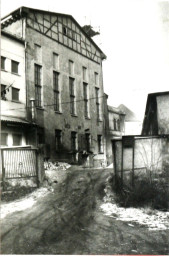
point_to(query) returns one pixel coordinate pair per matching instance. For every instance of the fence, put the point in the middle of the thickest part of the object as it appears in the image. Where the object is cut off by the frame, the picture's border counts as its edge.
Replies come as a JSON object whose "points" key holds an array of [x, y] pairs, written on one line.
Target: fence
{"points": [[17, 163], [136, 158]]}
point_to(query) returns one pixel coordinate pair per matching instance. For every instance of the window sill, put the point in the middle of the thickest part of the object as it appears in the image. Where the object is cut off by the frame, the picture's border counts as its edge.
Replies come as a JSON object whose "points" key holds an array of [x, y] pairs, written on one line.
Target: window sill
{"points": [[58, 112], [15, 74], [99, 120], [74, 115], [88, 118], [100, 153], [40, 108], [16, 101]]}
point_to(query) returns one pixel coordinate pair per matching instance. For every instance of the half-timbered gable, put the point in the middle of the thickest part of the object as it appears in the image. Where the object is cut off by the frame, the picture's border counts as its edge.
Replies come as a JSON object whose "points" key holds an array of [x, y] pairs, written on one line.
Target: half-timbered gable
{"points": [[59, 27]]}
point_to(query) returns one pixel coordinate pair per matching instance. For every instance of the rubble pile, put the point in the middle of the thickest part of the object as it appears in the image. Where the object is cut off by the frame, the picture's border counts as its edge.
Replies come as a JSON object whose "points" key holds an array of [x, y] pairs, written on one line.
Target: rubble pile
{"points": [[54, 172]]}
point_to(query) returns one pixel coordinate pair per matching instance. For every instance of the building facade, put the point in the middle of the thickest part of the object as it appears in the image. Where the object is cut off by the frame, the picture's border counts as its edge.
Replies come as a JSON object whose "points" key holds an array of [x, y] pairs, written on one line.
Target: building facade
{"points": [[14, 123], [64, 85], [115, 125]]}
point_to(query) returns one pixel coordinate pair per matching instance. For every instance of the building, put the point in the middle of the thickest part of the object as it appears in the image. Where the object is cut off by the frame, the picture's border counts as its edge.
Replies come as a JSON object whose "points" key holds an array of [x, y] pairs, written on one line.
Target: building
{"points": [[64, 84], [156, 119], [14, 124], [115, 125], [133, 125]]}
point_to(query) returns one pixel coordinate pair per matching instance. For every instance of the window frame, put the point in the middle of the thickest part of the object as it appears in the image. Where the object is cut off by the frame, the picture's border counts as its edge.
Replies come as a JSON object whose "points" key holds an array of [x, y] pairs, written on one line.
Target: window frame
{"points": [[58, 139], [72, 95], [19, 135], [97, 103], [6, 139], [3, 60], [15, 90], [12, 67], [88, 141], [100, 143], [38, 85], [56, 91], [74, 141]]}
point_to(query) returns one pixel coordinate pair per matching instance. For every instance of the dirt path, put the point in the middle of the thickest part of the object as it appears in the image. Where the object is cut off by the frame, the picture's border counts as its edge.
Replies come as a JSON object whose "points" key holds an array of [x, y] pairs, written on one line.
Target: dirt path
{"points": [[70, 221]]}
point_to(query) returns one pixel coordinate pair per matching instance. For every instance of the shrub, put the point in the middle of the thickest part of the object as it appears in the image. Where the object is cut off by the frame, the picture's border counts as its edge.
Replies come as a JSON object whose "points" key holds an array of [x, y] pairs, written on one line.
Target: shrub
{"points": [[145, 193]]}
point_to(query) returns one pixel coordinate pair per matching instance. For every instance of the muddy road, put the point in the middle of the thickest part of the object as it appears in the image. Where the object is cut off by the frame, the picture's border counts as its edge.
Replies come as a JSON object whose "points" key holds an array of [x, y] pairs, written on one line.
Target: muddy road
{"points": [[69, 221]]}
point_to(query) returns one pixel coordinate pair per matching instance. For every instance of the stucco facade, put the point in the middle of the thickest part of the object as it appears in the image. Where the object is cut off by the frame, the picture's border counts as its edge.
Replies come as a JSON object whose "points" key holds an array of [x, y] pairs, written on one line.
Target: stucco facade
{"points": [[115, 124], [13, 90], [79, 61]]}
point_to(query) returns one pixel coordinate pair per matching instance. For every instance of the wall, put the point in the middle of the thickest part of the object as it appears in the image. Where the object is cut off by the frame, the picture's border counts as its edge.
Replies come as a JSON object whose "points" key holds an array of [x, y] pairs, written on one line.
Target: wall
{"points": [[111, 133], [163, 114], [13, 50], [150, 157], [47, 117]]}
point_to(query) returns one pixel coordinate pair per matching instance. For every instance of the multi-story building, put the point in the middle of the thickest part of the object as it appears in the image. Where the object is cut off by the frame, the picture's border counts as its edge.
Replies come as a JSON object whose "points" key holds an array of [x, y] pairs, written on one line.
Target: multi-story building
{"points": [[63, 84], [13, 91], [114, 128]]}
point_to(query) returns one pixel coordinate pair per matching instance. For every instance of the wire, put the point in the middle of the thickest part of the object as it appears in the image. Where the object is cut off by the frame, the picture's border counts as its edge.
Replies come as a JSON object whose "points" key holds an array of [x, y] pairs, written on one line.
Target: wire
{"points": [[50, 105]]}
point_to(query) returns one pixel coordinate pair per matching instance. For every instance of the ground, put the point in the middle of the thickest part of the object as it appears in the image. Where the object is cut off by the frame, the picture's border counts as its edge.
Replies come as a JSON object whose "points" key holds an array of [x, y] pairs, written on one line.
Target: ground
{"points": [[76, 216]]}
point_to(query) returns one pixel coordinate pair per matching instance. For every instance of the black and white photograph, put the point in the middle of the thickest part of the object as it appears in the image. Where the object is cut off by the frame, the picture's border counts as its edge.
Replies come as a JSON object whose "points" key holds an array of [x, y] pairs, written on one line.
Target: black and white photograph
{"points": [[84, 127]]}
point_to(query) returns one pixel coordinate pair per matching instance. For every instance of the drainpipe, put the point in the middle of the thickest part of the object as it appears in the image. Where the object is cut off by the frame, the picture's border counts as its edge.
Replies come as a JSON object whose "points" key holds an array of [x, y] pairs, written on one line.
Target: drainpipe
{"points": [[33, 115]]}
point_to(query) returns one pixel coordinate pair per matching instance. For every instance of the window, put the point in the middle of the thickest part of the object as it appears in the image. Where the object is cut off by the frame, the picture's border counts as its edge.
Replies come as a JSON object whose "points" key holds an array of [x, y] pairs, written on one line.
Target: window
{"points": [[15, 94], [115, 127], [85, 99], [72, 96], [87, 139], [4, 137], [96, 78], [3, 59], [74, 141], [97, 103], [56, 90], [100, 143], [14, 66], [118, 125], [17, 139], [38, 53], [58, 139], [84, 73], [55, 61], [3, 92], [71, 67], [65, 31], [38, 86]]}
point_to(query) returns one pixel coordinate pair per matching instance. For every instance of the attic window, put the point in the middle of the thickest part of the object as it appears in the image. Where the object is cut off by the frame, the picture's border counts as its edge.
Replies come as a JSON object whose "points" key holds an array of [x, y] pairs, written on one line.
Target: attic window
{"points": [[64, 30]]}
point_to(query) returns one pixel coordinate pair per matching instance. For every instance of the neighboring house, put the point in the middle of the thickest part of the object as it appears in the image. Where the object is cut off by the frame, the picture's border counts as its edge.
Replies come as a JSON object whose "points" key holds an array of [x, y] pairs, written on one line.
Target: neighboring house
{"points": [[156, 119], [64, 84], [132, 124], [114, 122], [14, 124]]}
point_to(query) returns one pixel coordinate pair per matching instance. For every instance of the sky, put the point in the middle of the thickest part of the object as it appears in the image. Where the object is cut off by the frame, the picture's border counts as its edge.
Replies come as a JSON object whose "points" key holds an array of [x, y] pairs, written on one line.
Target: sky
{"points": [[134, 35]]}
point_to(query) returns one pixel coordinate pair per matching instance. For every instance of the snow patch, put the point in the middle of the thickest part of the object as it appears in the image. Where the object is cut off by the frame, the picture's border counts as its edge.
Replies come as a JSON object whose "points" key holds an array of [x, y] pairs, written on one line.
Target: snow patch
{"points": [[156, 221], [22, 204]]}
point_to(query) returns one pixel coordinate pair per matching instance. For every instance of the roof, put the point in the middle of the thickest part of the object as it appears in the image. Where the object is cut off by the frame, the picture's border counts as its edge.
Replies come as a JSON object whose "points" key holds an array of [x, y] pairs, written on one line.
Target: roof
{"points": [[12, 119], [23, 10], [115, 110], [12, 36], [130, 115]]}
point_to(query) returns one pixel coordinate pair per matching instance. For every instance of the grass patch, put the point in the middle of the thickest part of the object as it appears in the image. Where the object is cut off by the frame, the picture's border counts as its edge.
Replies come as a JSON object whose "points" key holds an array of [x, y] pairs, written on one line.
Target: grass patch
{"points": [[153, 194], [17, 192]]}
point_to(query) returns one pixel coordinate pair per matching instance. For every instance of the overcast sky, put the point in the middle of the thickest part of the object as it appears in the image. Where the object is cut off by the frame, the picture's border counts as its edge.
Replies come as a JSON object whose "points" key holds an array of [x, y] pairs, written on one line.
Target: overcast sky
{"points": [[134, 35]]}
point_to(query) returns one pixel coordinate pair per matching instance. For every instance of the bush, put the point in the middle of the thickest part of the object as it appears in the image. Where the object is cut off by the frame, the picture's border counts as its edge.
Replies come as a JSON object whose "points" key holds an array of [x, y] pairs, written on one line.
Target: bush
{"points": [[145, 193]]}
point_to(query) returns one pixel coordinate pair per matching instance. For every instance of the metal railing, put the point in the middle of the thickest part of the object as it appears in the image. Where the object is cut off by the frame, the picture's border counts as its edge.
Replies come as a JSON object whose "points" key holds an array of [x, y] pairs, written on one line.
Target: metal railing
{"points": [[18, 163]]}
